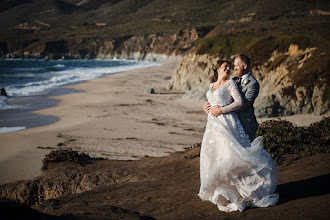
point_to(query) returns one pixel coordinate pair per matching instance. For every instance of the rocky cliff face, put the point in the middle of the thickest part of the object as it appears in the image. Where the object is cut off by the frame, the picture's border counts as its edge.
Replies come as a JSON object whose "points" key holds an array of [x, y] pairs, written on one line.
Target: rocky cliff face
{"points": [[290, 83], [150, 47], [65, 179], [153, 47], [192, 75], [289, 86]]}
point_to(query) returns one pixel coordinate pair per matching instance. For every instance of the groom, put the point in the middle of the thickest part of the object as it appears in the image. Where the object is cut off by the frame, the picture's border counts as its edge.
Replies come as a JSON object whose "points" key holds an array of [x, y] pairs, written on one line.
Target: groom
{"points": [[249, 89]]}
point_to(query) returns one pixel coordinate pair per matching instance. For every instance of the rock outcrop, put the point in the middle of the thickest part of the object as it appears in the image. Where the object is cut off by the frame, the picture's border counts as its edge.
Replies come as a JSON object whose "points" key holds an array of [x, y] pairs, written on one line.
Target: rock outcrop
{"points": [[152, 47], [3, 92], [155, 188], [290, 83], [192, 75], [65, 179]]}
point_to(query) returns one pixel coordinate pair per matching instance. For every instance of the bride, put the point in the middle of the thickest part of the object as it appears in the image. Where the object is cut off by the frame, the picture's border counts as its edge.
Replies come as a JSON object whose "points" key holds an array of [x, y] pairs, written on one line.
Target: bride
{"points": [[234, 172]]}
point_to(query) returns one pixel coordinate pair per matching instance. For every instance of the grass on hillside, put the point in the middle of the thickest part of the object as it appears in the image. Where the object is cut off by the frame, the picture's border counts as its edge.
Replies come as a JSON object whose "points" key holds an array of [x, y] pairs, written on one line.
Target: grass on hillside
{"points": [[131, 17], [259, 48]]}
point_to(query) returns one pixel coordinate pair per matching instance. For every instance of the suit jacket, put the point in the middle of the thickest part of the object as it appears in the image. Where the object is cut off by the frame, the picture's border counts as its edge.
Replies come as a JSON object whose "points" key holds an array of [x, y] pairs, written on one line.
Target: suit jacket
{"points": [[249, 91]]}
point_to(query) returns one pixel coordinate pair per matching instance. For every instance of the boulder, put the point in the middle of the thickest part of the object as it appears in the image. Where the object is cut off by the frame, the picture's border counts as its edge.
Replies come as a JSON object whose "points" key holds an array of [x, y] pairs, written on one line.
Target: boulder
{"points": [[3, 92]]}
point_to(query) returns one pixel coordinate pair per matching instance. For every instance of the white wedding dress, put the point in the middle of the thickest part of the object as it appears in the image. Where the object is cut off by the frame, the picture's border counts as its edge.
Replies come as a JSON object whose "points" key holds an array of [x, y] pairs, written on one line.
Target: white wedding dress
{"points": [[234, 172]]}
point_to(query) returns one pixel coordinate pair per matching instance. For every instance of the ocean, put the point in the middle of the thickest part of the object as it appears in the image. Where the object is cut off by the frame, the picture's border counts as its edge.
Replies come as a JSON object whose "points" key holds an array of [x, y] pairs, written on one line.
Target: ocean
{"points": [[29, 83]]}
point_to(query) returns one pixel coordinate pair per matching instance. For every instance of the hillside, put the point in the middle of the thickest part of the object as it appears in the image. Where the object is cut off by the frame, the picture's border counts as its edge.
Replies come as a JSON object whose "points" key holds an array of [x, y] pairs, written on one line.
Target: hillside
{"points": [[149, 29], [27, 25]]}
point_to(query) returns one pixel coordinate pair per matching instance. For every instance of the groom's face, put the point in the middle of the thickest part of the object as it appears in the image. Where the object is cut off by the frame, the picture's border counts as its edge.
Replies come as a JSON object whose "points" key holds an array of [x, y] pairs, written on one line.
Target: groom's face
{"points": [[238, 67]]}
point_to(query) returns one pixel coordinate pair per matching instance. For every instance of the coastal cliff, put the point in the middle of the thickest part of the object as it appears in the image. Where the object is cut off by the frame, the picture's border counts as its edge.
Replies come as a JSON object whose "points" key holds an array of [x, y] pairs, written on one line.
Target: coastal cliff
{"points": [[151, 47], [192, 75], [291, 82]]}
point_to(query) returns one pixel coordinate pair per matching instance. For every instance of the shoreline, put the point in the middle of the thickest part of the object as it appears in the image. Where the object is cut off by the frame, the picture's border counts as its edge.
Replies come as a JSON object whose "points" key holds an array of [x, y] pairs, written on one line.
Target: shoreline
{"points": [[111, 117], [21, 115], [19, 112]]}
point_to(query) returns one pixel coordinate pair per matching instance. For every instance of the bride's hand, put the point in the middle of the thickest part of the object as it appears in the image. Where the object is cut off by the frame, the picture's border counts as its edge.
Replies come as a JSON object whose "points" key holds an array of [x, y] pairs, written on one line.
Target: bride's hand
{"points": [[215, 110], [206, 107]]}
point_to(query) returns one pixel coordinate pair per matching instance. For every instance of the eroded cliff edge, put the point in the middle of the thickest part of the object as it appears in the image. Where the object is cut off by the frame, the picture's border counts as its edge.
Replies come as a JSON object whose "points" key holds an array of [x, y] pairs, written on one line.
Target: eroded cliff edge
{"points": [[154, 188], [148, 47]]}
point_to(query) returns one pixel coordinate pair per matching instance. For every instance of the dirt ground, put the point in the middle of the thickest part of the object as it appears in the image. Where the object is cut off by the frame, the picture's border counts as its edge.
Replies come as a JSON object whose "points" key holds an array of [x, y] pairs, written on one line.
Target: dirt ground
{"points": [[166, 188]]}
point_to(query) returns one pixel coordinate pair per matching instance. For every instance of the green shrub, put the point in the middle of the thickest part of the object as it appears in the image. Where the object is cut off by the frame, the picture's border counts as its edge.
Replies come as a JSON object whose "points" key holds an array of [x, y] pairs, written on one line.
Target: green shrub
{"points": [[319, 134], [260, 48], [64, 155], [223, 46], [282, 139]]}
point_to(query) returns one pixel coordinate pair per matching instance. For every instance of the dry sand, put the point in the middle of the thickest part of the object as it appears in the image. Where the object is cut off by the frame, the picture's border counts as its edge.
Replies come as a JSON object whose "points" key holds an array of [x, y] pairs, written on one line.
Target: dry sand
{"points": [[113, 117]]}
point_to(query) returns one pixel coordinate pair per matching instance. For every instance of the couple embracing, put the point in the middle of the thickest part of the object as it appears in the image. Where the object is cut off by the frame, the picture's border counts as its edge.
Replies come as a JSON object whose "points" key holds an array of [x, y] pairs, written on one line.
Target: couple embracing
{"points": [[235, 170]]}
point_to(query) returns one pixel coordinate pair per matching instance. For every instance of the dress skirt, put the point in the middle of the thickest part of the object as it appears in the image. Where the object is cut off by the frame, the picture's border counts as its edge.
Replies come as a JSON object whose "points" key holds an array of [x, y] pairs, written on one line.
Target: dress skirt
{"points": [[234, 172]]}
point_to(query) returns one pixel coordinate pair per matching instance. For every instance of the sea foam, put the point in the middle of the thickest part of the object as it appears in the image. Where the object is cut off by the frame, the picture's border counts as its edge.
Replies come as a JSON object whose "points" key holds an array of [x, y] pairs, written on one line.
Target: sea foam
{"points": [[10, 129], [4, 104], [58, 77]]}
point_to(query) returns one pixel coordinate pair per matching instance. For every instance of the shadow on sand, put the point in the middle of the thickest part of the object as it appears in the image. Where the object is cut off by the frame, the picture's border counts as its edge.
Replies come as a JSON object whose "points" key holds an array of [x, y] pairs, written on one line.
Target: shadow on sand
{"points": [[315, 186]]}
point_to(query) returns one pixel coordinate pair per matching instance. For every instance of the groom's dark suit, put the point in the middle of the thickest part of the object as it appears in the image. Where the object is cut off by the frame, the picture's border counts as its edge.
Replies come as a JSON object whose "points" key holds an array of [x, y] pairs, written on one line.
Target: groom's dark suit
{"points": [[249, 90]]}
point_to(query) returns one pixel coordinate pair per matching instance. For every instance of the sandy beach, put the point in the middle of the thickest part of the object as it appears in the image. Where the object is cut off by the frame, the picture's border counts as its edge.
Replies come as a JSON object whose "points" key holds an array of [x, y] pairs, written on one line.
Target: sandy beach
{"points": [[113, 117]]}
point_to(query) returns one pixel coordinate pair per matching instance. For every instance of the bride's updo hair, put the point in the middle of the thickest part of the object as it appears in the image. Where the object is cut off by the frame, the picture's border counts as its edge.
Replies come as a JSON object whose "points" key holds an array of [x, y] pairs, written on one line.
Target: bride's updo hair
{"points": [[215, 68]]}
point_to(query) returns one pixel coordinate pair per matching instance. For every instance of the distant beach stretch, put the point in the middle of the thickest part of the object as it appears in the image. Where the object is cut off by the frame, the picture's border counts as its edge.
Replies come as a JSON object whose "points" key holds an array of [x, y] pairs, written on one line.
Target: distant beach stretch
{"points": [[27, 84]]}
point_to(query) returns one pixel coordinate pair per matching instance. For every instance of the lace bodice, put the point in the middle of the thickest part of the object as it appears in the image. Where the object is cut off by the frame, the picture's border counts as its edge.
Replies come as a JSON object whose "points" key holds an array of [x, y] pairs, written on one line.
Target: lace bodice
{"points": [[226, 96]]}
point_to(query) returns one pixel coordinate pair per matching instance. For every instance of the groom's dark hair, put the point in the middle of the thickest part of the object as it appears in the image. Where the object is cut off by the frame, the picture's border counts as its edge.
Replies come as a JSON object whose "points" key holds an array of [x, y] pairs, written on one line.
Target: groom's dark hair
{"points": [[246, 60]]}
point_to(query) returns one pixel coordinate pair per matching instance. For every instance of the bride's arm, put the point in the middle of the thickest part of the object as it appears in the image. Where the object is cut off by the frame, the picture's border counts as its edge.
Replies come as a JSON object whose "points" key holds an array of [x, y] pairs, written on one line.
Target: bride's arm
{"points": [[238, 101]]}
